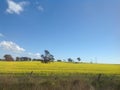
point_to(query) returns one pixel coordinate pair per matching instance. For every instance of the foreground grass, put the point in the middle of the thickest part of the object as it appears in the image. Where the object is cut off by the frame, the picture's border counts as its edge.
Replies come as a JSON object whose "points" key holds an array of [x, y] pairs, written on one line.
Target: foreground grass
{"points": [[57, 68], [81, 82]]}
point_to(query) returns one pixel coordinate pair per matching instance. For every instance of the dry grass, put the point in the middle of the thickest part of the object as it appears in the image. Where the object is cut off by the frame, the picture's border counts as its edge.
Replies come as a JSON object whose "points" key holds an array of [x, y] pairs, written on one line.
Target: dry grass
{"points": [[81, 82]]}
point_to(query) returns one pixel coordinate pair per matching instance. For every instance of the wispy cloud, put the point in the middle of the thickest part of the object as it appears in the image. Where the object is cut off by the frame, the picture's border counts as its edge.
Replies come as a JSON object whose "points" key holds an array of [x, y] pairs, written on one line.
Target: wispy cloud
{"points": [[40, 8], [11, 46], [14, 7], [35, 55], [1, 35]]}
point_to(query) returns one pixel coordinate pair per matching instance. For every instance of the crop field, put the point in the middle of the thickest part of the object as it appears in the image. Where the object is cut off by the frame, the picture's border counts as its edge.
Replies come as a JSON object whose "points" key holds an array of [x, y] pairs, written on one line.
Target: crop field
{"points": [[57, 68], [58, 76]]}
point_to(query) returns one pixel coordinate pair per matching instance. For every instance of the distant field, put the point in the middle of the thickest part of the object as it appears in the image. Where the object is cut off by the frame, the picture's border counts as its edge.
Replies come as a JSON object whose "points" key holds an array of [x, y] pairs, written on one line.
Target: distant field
{"points": [[57, 68]]}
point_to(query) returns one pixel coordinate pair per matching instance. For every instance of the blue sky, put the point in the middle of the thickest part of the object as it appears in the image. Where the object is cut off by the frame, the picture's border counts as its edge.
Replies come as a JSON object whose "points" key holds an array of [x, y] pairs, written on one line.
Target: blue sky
{"points": [[89, 29]]}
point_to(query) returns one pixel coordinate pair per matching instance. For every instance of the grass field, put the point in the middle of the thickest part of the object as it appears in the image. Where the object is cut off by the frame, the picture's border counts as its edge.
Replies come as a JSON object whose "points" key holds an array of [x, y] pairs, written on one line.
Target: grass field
{"points": [[58, 68], [58, 76]]}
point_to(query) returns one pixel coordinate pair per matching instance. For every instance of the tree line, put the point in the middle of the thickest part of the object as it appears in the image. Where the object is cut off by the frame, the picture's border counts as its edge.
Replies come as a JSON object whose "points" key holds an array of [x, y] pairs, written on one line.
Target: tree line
{"points": [[45, 58]]}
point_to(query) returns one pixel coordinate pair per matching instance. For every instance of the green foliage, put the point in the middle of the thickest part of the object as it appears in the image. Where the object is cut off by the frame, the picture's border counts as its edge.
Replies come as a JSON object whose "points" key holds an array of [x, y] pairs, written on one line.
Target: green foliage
{"points": [[70, 60], [48, 57]]}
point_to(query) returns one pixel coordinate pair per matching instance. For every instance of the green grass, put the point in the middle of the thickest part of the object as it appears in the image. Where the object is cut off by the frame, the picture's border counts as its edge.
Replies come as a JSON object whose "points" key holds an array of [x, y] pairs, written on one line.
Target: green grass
{"points": [[57, 68]]}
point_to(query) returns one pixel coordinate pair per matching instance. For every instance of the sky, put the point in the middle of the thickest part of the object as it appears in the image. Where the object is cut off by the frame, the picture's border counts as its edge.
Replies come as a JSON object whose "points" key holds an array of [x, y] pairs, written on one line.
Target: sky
{"points": [[89, 29]]}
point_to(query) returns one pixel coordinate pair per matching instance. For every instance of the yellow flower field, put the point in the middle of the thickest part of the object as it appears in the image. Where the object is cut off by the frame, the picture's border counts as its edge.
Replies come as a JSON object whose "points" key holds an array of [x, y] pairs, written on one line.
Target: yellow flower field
{"points": [[58, 68]]}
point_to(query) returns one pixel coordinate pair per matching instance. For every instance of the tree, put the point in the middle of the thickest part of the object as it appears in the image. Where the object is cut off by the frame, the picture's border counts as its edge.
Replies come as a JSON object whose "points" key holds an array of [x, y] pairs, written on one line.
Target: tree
{"points": [[59, 60], [47, 53], [23, 59], [47, 57], [79, 59], [70, 60], [17, 58], [8, 57]]}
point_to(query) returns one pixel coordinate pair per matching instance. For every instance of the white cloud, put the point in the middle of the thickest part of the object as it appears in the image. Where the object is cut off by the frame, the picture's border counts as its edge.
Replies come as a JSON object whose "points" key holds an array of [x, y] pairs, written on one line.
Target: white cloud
{"points": [[1, 35], [14, 7], [40, 8], [11, 46], [35, 55]]}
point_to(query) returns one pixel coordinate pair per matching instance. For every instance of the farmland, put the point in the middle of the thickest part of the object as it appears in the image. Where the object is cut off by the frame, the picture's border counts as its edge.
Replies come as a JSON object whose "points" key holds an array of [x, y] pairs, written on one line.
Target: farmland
{"points": [[58, 76], [58, 68]]}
